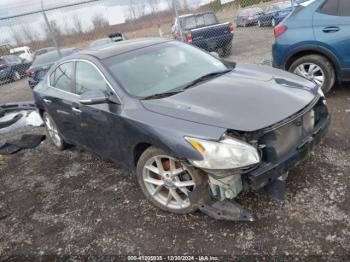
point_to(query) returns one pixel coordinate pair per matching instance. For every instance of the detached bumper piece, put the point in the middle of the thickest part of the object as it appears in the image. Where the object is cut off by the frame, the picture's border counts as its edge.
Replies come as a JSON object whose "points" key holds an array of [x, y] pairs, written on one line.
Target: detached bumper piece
{"points": [[226, 210], [218, 209]]}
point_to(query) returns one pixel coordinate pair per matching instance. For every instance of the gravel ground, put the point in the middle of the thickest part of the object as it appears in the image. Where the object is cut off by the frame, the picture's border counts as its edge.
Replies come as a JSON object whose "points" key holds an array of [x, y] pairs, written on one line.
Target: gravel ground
{"points": [[73, 203]]}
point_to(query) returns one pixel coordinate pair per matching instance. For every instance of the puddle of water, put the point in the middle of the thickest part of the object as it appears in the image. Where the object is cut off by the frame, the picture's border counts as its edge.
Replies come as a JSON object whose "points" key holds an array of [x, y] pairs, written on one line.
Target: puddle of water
{"points": [[29, 118]]}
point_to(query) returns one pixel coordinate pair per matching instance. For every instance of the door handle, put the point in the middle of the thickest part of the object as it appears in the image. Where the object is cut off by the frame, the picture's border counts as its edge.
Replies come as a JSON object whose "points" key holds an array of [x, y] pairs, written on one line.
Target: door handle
{"points": [[331, 29], [76, 110], [47, 101]]}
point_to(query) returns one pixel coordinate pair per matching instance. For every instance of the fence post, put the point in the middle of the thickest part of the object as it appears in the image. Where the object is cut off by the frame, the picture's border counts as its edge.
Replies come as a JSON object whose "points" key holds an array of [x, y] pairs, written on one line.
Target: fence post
{"points": [[50, 30]]}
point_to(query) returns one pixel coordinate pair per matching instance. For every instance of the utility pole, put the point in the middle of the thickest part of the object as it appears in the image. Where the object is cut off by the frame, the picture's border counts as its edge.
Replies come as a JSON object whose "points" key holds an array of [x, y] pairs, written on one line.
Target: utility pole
{"points": [[175, 5], [50, 30]]}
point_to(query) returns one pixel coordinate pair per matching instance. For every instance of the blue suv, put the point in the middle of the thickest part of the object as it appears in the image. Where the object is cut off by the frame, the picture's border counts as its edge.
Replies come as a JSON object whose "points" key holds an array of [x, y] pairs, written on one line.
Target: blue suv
{"points": [[314, 42]]}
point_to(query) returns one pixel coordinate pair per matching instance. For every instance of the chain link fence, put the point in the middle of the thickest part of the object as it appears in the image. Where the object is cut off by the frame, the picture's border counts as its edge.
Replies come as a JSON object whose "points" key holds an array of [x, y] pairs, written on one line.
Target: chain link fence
{"points": [[238, 30]]}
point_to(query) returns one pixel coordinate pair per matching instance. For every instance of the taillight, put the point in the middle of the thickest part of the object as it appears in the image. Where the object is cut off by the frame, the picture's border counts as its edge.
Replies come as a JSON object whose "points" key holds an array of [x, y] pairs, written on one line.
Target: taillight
{"points": [[29, 72], [189, 37], [232, 28], [279, 30]]}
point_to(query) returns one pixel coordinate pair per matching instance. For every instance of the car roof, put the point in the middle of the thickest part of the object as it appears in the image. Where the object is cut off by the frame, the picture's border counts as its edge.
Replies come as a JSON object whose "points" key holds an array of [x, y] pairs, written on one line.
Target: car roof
{"points": [[117, 48]]}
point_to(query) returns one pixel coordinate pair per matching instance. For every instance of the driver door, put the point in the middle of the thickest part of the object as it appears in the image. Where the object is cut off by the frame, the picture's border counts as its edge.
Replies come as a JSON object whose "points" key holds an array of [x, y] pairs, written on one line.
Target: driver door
{"points": [[100, 124]]}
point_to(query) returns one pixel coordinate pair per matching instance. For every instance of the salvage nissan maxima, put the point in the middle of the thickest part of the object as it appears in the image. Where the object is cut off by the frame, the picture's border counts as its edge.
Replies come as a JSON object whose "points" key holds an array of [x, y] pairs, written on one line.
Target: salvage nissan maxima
{"points": [[196, 130]]}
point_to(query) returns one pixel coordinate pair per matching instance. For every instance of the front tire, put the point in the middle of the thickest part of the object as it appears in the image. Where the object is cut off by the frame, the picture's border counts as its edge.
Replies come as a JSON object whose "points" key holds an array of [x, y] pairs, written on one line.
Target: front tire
{"points": [[53, 132], [316, 68], [166, 181]]}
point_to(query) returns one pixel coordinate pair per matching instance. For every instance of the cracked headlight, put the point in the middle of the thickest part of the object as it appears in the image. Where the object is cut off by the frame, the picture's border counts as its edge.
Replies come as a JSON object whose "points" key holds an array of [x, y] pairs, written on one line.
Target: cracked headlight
{"points": [[228, 153]]}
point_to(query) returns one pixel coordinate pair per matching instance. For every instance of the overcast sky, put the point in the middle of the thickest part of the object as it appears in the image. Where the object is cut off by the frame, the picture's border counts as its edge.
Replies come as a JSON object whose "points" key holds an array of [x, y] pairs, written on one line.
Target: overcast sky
{"points": [[115, 11]]}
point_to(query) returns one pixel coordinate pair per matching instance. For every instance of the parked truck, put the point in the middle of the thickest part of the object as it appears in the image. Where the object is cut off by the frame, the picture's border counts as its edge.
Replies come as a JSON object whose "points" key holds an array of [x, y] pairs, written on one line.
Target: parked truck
{"points": [[205, 31]]}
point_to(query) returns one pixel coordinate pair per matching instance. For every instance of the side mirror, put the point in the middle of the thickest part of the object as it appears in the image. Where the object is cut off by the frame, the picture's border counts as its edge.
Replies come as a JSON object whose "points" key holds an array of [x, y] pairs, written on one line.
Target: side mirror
{"points": [[215, 54], [93, 98]]}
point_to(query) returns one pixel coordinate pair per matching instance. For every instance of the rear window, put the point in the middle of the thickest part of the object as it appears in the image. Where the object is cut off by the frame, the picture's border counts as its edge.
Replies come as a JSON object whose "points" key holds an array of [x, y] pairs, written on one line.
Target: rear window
{"points": [[251, 11], [284, 5], [51, 57], [47, 58], [195, 21], [330, 7]]}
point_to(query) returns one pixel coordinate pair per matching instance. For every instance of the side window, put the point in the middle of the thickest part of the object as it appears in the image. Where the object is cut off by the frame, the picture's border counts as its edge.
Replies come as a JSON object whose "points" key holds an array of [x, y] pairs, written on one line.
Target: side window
{"points": [[62, 77], [344, 7], [330, 7], [87, 78]]}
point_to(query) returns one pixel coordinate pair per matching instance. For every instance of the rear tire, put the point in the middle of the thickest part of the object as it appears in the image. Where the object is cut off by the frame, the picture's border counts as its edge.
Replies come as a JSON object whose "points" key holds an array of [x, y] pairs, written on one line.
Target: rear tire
{"points": [[323, 63], [53, 133]]}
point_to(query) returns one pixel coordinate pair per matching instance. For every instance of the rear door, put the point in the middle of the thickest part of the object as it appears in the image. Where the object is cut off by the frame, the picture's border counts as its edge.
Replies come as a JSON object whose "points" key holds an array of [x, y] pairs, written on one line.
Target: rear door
{"points": [[59, 102], [331, 25]]}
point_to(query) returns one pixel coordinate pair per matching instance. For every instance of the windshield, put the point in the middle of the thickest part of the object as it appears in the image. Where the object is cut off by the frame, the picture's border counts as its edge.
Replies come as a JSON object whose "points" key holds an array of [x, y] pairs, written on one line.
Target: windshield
{"points": [[161, 68], [195, 21], [283, 5], [251, 11]]}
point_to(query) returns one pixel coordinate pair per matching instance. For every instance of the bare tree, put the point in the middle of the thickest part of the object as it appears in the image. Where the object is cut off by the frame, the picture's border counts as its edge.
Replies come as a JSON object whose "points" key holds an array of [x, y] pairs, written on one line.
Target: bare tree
{"points": [[56, 30], [28, 33], [170, 4], [77, 25], [17, 36], [154, 6], [99, 22]]}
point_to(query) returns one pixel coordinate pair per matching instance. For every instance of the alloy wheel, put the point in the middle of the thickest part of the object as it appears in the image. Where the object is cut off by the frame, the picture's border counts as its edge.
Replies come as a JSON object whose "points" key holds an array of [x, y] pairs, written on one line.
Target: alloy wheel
{"points": [[52, 130], [168, 182], [312, 72]]}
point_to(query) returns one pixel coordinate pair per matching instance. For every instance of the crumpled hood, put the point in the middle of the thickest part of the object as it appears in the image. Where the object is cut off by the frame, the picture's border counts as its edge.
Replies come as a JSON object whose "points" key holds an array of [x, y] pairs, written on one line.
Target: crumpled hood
{"points": [[249, 98]]}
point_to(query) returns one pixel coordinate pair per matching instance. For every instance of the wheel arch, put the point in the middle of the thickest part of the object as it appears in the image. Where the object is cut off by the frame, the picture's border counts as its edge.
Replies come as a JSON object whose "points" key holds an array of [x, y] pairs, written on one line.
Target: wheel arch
{"points": [[313, 50], [138, 151], [41, 112]]}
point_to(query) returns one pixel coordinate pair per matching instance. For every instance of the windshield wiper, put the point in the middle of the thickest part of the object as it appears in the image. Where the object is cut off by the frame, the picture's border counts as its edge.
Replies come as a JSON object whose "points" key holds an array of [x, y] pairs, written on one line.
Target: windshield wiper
{"points": [[205, 77], [162, 95]]}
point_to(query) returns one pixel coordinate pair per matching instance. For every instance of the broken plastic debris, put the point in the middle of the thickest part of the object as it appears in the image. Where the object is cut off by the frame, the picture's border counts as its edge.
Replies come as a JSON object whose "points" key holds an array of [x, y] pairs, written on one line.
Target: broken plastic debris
{"points": [[28, 118]]}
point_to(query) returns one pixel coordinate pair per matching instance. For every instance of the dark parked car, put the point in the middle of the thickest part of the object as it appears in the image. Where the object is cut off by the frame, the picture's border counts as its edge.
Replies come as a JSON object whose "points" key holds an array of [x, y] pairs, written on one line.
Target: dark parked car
{"points": [[43, 51], [248, 16], [191, 126], [275, 13], [43, 63], [314, 42], [112, 38], [205, 31], [12, 67]]}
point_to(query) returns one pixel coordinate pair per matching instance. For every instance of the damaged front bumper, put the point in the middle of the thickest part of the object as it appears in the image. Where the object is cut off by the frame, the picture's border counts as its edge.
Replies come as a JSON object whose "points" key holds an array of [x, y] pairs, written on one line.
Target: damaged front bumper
{"points": [[270, 172]]}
